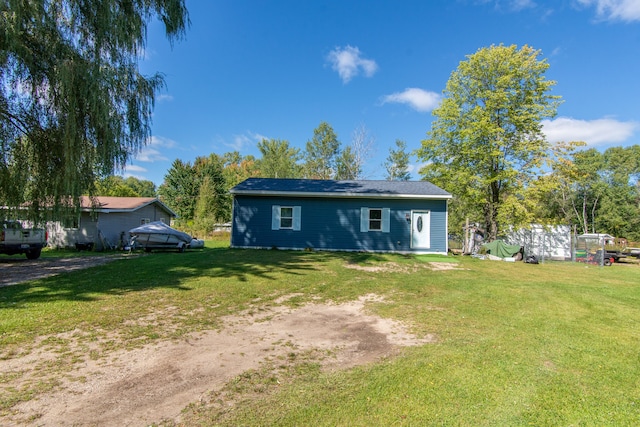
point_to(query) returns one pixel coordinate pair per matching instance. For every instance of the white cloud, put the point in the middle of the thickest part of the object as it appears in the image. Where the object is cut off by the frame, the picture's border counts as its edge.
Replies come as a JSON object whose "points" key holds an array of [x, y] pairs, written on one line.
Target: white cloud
{"points": [[243, 141], [615, 10], [164, 97], [239, 142], [135, 168], [418, 99], [518, 5], [149, 154], [152, 151], [133, 171], [348, 62], [159, 141], [593, 132], [509, 5], [258, 137]]}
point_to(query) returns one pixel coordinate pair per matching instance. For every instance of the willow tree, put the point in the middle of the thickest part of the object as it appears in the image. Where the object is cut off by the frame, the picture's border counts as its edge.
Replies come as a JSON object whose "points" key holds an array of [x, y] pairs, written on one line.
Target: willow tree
{"points": [[486, 141], [73, 104]]}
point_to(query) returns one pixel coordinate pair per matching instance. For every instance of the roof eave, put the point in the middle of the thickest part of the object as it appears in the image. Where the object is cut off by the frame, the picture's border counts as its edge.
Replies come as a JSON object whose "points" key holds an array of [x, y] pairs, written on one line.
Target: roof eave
{"points": [[350, 195], [133, 209]]}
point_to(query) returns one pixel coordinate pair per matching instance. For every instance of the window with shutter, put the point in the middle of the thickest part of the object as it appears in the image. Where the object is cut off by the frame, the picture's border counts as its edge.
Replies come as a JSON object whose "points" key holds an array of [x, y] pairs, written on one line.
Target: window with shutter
{"points": [[286, 217], [375, 219]]}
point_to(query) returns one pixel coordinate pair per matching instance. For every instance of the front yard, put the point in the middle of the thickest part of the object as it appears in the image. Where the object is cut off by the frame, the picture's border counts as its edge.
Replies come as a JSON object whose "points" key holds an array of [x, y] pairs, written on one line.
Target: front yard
{"points": [[313, 338]]}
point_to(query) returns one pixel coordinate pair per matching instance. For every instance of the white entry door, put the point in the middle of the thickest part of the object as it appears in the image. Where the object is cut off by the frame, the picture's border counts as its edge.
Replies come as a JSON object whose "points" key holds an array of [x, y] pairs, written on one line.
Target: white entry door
{"points": [[420, 229]]}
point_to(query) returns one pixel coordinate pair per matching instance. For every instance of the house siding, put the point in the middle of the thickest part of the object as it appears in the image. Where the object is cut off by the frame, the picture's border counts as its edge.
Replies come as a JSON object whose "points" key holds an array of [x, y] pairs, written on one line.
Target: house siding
{"points": [[335, 224], [107, 230], [60, 237], [115, 226]]}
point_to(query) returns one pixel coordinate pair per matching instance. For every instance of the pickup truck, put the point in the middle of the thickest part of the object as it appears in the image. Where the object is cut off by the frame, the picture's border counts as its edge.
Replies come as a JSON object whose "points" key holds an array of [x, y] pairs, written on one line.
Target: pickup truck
{"points": [[14, 239]]}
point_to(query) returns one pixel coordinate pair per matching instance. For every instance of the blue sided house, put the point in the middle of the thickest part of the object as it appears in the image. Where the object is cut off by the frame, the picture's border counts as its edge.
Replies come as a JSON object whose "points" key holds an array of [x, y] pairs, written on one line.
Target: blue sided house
{"points": [[375, 216]]}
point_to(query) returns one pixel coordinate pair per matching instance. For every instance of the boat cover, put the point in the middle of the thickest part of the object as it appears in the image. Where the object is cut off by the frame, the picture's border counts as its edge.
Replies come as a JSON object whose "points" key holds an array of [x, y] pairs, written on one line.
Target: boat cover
{"points": [[159, 227]]}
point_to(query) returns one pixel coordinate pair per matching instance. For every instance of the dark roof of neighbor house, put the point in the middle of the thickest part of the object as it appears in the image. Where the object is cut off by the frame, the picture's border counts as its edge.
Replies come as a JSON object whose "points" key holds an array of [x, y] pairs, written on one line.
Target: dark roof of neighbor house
{"points": [[120, 204], [330, 188]]}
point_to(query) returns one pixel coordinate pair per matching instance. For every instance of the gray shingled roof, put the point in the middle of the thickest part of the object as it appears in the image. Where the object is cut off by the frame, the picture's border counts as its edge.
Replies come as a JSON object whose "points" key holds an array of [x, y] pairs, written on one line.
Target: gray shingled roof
{"points": [[330, 188]]}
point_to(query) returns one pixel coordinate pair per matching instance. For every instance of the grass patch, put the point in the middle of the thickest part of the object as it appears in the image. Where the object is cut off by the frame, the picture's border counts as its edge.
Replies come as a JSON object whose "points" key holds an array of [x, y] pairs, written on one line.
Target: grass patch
{"points": [[517, 344]]}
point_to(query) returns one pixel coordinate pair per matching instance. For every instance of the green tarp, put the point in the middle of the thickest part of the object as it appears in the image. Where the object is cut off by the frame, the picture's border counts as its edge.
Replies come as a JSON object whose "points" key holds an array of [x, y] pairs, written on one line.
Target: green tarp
{"points": [[501, 249]]}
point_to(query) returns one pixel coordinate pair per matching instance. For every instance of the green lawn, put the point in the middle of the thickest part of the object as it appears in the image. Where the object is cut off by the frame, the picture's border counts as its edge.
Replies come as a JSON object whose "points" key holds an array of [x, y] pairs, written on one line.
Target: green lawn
{"points": [[556, 344]]}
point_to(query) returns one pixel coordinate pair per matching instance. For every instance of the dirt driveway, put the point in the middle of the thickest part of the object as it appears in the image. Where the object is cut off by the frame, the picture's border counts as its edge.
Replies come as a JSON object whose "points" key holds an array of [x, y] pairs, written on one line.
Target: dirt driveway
{"points": [[17, 269], [155, 383]]}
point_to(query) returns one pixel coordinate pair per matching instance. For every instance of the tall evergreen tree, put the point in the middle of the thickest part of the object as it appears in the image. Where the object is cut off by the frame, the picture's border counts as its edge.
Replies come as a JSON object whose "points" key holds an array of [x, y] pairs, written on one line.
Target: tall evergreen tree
{"points": [[180, 189], [213, 201], [397, 164]]}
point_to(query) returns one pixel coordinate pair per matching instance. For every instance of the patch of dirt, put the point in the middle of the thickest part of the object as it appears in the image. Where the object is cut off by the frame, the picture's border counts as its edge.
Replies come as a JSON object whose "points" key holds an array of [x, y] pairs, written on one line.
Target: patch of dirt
{"points": [[155, 383], [14, 270], [444, 266], [393, 267]]}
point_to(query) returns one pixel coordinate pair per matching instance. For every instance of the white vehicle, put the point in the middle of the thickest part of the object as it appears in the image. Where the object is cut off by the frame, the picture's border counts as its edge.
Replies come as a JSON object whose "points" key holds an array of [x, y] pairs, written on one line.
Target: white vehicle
{"points": [[14, 239]]}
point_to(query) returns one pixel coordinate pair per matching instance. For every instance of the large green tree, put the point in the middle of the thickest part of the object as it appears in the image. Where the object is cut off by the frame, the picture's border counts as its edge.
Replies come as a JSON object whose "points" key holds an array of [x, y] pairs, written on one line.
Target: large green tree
{"points": [[598, 192], [73, 104], [237, 168], [278, 159], [143, 187], [115, 185], [619, 212], [486, 143], [321, 154]]}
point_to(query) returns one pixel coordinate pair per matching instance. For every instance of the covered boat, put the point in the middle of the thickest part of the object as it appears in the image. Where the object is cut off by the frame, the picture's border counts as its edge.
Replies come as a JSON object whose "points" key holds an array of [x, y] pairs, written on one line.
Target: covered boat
{"points": [[158, 235]]}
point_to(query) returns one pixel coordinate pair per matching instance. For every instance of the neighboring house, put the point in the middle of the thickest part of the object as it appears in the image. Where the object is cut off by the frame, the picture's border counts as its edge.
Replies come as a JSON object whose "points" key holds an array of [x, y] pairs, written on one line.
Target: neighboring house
{"points": [[377, 216], [106, 225]]}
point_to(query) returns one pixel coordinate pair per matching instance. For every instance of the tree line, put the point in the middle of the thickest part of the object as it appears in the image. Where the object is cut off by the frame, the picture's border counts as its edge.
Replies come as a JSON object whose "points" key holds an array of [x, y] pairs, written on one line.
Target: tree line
{"points": [[199, 192]]}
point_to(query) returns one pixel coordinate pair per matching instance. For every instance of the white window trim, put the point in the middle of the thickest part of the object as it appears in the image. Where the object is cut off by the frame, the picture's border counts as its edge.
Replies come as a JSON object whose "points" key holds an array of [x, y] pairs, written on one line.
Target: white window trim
{"points": [[364, 220], [276, 211]]}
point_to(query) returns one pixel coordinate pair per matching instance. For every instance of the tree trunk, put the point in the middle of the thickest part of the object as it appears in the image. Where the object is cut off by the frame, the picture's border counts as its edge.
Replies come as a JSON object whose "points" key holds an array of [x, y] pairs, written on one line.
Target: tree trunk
{"points": [[593, 215], [491, 212], [585, 223]]}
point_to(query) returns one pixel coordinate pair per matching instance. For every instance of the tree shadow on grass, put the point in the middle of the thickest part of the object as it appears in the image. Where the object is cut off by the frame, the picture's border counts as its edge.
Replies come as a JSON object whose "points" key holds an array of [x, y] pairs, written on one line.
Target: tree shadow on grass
{"points": [[170, 270]]}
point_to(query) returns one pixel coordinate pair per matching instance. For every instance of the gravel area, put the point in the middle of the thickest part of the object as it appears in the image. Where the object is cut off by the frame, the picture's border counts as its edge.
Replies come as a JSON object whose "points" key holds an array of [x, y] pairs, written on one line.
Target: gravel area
{"points": [[17, 269]]}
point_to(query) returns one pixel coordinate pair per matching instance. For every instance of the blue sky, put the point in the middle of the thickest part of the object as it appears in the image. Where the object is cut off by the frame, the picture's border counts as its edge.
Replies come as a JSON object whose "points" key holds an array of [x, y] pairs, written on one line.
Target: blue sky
{"points": [[257, 69]]}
